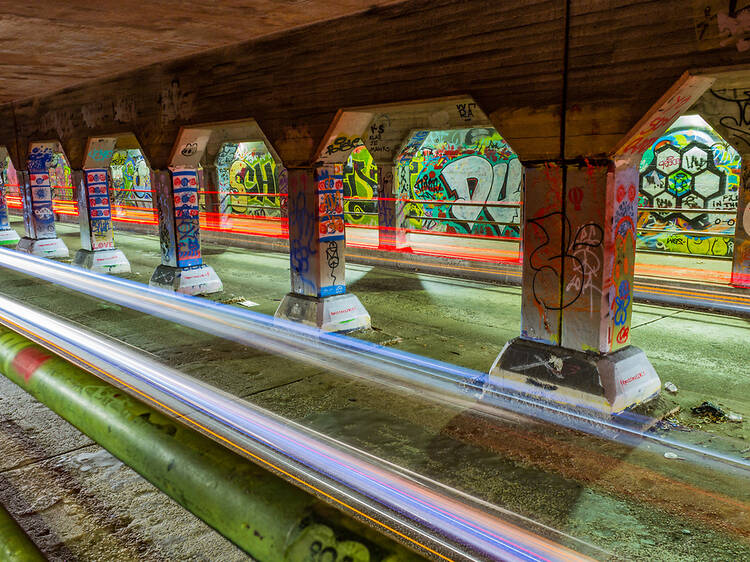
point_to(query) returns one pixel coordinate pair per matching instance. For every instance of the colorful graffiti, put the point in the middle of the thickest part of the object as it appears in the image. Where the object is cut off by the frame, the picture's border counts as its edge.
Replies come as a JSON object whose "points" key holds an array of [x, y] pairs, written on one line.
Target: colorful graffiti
{"points": [[693, 174], [252, 179], [250, 183], [131, 180], [473, 166], [187, 230], [9, 178], [330, 191], [61, 179], [361, 188], [100, 216]]}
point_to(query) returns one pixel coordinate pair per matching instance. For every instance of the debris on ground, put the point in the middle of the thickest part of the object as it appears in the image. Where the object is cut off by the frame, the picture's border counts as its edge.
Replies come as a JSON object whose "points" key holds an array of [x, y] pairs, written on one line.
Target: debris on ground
{"points": [[709, 411], [732, 417], [673, 456], [671, 424], [391, 341], [670, 387], [232, 299]]}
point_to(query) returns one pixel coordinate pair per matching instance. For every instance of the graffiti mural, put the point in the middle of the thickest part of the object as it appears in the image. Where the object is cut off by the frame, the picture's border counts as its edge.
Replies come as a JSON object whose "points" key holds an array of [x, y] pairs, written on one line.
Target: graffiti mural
{"points": [[693, 174], [250, 183], [253, 186], [61, 179], [361, 188], [131, 180], [475, 166], [9, 178]]}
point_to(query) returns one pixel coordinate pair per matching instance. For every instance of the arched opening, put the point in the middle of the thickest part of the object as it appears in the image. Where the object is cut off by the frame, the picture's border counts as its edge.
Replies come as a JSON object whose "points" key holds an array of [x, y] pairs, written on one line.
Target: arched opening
{"points": [[689, 188], [464, 186], [250, 191], [132, 196]]}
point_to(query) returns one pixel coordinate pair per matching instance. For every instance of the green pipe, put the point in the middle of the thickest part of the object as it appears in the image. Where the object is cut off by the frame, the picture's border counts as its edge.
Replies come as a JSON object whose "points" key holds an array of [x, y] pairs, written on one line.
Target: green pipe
{"points": [[266, 516], [15, 545]]}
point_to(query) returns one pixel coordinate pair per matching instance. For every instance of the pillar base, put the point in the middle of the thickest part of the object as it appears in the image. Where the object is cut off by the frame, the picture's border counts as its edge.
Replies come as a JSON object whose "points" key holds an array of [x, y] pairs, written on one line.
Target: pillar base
{"points": [[337, 313], [9, 237], [43, 247], [609, 383], [102, 261], [196, 280]]}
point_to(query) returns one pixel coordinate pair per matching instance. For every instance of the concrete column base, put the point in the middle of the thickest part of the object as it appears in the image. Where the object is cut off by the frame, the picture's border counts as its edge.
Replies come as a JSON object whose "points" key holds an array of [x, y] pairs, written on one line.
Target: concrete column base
{"points": [[609, 383], [43, 247], [337, 313], [9, 237], [196, 280], [102, 261]]}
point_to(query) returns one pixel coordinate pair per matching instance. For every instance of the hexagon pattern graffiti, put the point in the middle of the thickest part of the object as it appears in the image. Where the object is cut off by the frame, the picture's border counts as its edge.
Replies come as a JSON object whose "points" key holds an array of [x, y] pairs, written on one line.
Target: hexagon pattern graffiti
{"points": [[693, 174]]}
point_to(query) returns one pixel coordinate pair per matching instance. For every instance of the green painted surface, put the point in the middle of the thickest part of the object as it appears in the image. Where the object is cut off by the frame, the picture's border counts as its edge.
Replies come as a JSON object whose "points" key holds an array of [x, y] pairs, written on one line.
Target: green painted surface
{"points": [[267, 517], [15, 546]]}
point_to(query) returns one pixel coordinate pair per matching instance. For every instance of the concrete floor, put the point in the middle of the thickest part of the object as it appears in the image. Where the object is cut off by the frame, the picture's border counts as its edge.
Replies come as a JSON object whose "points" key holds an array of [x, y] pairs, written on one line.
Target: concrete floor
{"points": [[617, 498]]}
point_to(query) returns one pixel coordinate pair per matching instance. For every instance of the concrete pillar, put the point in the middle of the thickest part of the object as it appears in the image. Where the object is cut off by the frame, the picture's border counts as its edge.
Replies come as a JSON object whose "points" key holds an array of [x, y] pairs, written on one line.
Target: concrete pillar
{"points": [[38, 217], [391, 210], [578, 267], [182, 268], [316, 252], [741, 259], [8, 236], [98, 252]]}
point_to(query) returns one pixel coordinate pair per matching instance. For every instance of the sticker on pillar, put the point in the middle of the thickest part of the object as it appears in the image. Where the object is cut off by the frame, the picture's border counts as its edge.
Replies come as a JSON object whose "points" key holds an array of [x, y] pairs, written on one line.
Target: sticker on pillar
{"points": [[330, 190], [102, 237], [187, 229], [41, 205]]}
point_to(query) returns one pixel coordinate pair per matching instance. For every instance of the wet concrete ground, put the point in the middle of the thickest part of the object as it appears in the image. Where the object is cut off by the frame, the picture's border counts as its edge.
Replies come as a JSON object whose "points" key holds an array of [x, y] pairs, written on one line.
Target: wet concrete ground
{"points": [[617, 498]]}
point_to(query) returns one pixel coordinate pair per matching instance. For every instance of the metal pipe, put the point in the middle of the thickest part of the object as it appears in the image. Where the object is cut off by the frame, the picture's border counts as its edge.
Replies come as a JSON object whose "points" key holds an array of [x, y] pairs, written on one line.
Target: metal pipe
{"points": [[15, 545], [261, 513]]}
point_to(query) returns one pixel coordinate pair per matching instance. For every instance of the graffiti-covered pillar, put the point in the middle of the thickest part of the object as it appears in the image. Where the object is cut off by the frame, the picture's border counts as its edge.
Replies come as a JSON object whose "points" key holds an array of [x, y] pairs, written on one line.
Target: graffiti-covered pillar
{"points": [[8, 236], [578, 267], [36, 195], [391, 210], [182, 268], [316, 253], [98, 252], [741, 258]]}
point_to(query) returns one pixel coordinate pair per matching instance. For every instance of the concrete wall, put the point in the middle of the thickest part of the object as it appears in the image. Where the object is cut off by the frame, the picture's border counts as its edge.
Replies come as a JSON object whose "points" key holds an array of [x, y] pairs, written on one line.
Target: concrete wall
{"points": [[510, 56]]}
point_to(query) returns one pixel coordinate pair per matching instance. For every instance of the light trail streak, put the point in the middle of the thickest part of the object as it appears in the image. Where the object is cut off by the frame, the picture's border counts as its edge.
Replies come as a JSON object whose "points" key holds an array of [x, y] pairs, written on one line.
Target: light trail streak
{"points": [[430, 378], [462, 523]]}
